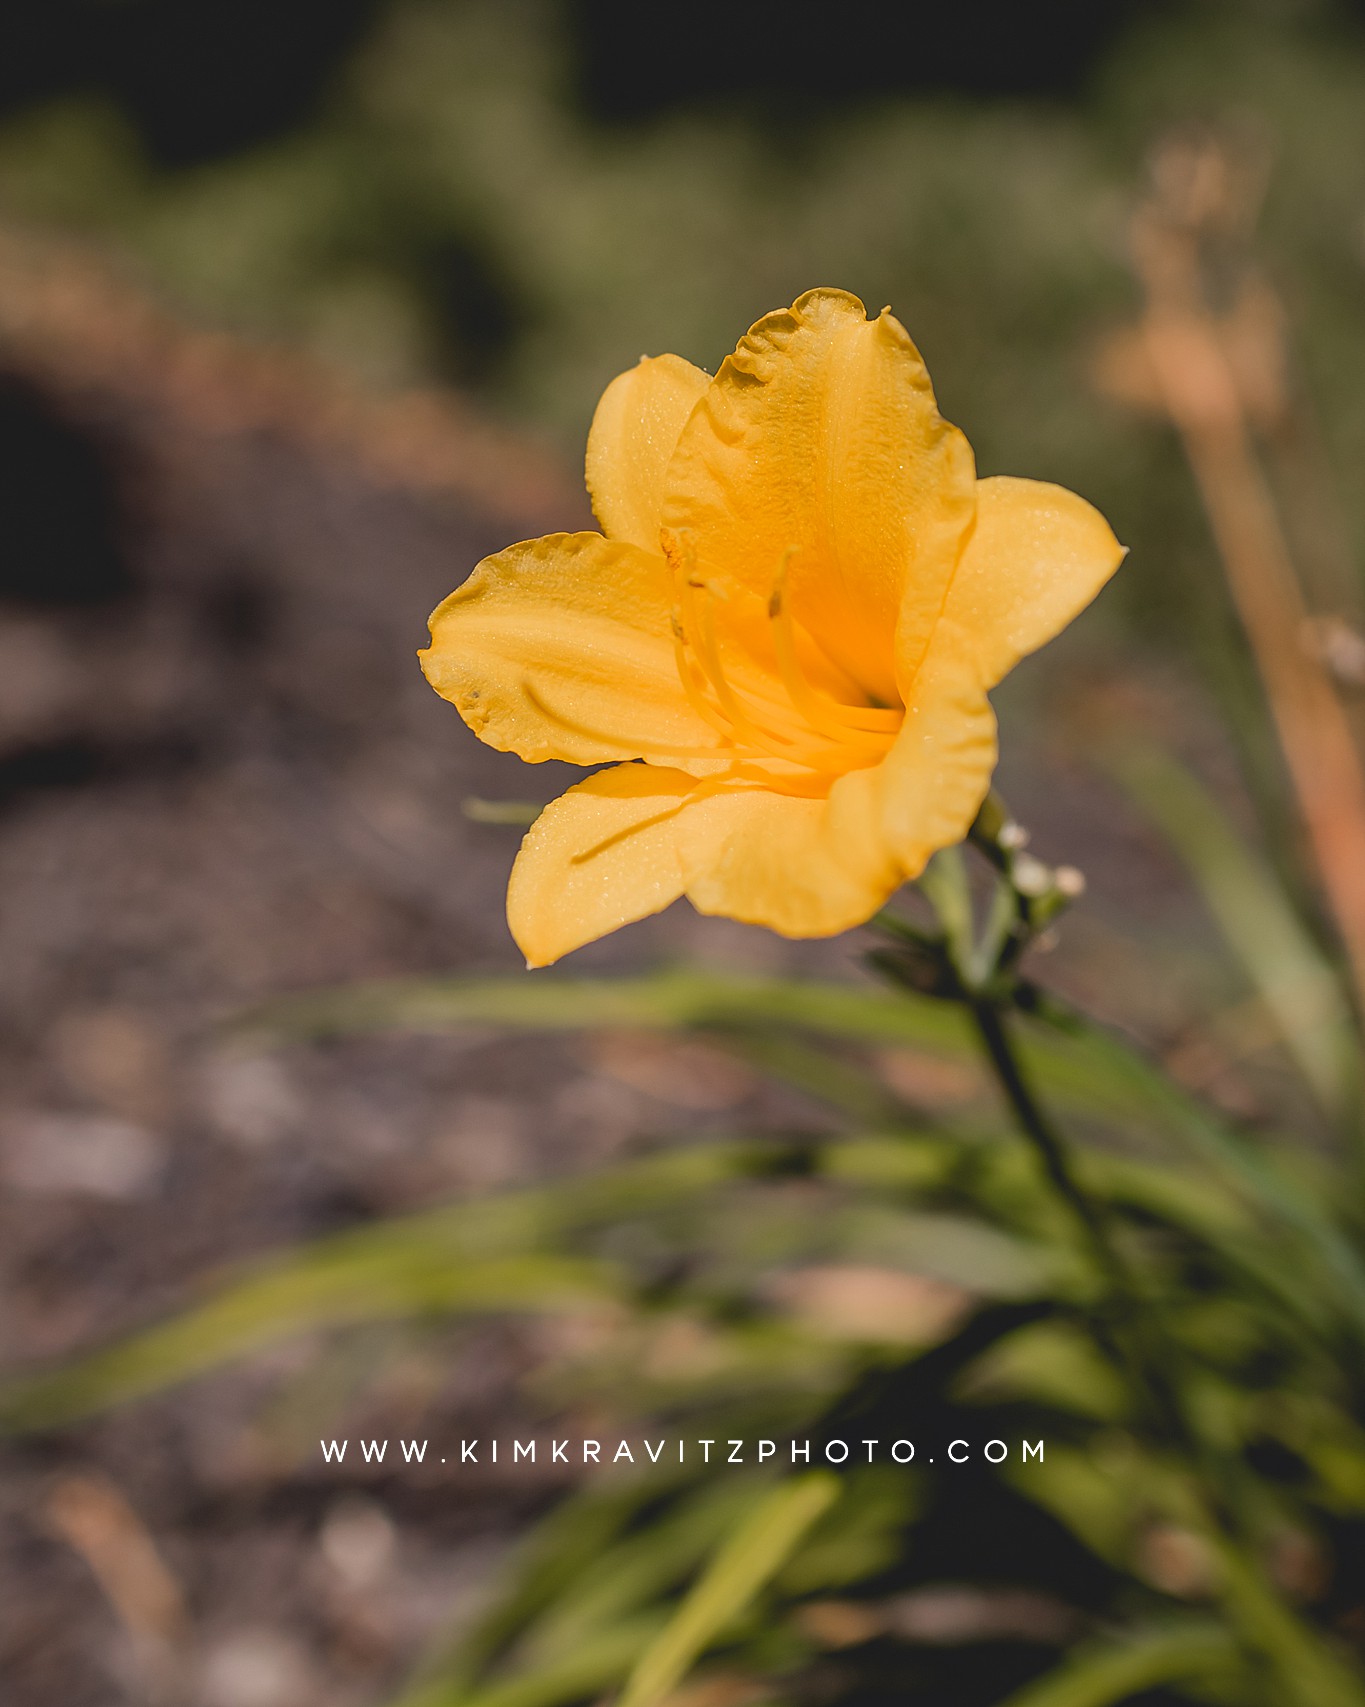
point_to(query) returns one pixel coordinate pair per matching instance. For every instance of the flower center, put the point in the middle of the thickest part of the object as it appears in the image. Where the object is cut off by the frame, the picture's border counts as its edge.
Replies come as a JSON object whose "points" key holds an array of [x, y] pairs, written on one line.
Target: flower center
{"points": [[783, 717]]}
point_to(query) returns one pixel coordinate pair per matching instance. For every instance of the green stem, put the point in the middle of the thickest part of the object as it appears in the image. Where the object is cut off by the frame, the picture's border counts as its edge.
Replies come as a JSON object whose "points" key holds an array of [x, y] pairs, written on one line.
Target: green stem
{"points": [[1043, 1136], [1125, 1318]]}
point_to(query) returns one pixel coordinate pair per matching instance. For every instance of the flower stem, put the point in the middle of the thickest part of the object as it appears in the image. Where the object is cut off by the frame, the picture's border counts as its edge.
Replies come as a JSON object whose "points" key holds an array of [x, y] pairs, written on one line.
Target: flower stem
{"points": [[1048, 1143], [1125, 1325]]}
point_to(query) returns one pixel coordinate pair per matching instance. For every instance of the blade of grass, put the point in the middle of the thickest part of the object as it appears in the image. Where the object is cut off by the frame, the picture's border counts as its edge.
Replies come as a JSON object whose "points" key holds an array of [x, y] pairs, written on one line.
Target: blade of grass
{"points": [[1081, 1066], [747, 1561], [315, 1290], [558, 1551], [1315, 1672], [579, 1607], [599, 1663], [639, 1568], [677, 999], [692, 999], [489, 1254], [1102, 1676], [1082, 1069], [455, 1259], [1322, 1246], [1289, 971], [521, 814]]}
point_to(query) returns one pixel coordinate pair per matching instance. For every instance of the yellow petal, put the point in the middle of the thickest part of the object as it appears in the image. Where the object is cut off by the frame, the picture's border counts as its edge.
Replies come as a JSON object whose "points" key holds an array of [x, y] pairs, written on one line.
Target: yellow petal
{"points": [[813, 867], [1037, 556], [931, 784], [632, 439], [802, 867], [560, 648], [628, 841], [820, 437], [599, 857]]}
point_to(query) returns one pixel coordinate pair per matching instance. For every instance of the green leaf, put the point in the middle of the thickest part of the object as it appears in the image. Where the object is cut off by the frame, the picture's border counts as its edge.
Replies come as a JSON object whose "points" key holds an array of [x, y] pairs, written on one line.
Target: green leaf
{"points": [[944, 883], [862, 1536], [961, 1250], [326, 1286], [1097, 1491], [1101, 1676], [594, 1666], [473, 1257], [819, 1072], [637, 1569], [1083, 1068], [1286, 966], [519, 813], [498, 1254], [1314, 1670], [585, 1597], [739, 1570], [1052, 1363], [1322, 1247], [682, 998], [563, 1549]]}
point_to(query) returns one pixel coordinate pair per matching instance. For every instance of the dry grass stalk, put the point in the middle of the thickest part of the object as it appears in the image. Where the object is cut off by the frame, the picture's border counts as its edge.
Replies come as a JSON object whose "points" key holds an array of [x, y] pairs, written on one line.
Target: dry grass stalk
{"points": [[94, 1518], [1221, 377]]}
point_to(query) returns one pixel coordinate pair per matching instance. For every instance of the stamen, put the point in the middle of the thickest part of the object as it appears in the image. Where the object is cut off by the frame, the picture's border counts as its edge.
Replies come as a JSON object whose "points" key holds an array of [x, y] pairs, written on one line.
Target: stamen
{"points": [[739, 707], [695, 690], [774, 741], [809, 730], [709, 653]]}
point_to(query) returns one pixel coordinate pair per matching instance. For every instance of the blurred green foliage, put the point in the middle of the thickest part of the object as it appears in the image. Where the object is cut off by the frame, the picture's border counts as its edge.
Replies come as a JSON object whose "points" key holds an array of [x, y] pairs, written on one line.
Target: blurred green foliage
{"points": [[450, 208], [795, 1587]]}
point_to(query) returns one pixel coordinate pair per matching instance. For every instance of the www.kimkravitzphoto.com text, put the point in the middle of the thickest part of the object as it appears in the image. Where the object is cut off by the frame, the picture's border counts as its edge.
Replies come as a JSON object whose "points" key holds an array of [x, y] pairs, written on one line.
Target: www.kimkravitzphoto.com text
{"points": [[681, 1450]]}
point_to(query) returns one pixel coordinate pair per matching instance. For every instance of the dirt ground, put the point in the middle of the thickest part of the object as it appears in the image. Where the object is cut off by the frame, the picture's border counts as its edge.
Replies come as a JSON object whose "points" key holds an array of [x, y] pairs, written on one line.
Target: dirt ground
{"points": [[222, 777]]}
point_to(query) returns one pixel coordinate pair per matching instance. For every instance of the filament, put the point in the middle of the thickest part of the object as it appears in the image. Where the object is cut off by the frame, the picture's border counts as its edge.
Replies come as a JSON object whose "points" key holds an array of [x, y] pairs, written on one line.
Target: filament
{"points": [[688, 671]]}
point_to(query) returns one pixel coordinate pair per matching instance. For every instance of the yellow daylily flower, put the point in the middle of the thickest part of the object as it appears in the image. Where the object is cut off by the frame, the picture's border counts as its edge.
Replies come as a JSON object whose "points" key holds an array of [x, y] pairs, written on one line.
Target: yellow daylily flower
{"points": [[787, 629]]}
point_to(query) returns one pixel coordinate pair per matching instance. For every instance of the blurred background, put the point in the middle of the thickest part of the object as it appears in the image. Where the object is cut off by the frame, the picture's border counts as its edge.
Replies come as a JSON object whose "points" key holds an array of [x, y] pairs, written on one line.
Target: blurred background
{"points": [[304, 307]]}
